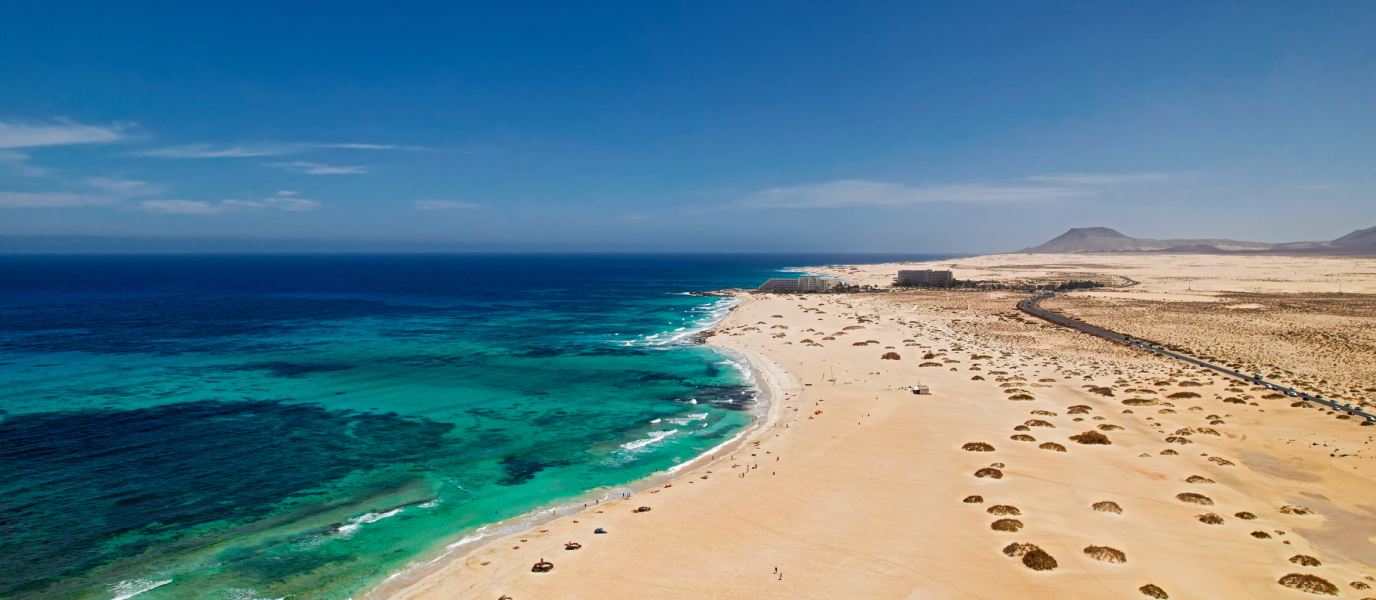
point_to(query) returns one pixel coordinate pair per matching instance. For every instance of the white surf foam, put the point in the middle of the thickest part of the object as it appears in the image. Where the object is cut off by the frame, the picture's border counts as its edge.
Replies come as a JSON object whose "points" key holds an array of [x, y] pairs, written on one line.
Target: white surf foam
{"points": [[134, 587]]}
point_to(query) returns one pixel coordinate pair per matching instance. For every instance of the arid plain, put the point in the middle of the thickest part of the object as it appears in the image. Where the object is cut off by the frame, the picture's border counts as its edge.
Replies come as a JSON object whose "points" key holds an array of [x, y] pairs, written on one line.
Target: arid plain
{"points": [[856, 488]]}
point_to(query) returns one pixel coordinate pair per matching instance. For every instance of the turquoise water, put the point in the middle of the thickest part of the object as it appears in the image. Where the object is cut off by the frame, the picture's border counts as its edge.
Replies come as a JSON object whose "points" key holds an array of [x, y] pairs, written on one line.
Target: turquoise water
{"points": [[268, 427]]}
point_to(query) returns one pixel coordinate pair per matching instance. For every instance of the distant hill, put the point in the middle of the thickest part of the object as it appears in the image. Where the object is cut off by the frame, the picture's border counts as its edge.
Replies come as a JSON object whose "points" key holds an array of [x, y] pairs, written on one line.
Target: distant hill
{"points": [[1362, 238], [1103, 239]]}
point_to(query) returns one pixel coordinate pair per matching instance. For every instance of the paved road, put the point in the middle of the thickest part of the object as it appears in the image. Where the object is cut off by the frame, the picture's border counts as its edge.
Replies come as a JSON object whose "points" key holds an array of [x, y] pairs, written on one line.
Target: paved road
{"points": [[1030, 307]]}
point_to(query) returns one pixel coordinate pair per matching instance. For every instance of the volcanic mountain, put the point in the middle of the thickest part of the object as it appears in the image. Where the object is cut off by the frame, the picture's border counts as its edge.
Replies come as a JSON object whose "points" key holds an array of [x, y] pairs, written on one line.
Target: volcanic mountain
{"points": [[1103, 239]]}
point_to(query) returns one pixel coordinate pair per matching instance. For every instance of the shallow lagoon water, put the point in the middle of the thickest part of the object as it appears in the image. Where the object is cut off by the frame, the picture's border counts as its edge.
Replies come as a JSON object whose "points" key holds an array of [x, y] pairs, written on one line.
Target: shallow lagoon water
{"points": [[238, 427]]}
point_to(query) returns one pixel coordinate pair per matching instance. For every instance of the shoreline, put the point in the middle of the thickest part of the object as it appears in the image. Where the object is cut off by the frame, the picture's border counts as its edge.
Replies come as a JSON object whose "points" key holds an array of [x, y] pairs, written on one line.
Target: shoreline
{"points": [[403, 584]]}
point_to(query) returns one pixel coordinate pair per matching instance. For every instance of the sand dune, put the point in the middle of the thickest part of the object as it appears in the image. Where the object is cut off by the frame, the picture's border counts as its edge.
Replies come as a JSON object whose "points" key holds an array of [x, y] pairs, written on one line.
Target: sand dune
{"points": [[1109, 479]]}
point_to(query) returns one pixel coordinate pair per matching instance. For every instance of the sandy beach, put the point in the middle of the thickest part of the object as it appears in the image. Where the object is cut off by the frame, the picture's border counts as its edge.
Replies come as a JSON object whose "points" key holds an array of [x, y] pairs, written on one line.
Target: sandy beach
{"points": [[856, 488]]}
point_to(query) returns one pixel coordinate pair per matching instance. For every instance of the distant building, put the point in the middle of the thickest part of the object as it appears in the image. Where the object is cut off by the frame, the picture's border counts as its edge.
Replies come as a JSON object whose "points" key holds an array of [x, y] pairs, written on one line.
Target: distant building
{"points": [[927, 277], [800, 284]]}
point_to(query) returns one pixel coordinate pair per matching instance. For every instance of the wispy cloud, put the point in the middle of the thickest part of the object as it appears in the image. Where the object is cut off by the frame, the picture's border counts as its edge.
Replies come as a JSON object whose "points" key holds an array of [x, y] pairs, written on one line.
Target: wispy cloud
{"points": [[18, 163], [311, 168], [124, 188], [367, 147], [251, 149], [52, 200], [201, 207], [62, 133], [1101, 178], [220, 151], [855, 192], [443, 205]]}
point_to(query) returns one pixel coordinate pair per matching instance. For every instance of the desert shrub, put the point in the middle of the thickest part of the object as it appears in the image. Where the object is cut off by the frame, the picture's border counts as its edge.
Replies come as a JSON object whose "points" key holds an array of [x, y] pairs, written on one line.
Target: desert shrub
{"points": [[1043, 413], [1021, 398], [1169, 452], [1022, 428], [1003, 510], [1078, 409], [1301, 404], [1358, 585], [863, 344], [1190, 383], [1183, 396], [1207, 431], [1140, 402], [1109, 427], [1106, 554], [1295, 510], [1210, 519], [1309, 583], [1102, 391], [1008, 525], [1152, 591], [1165, 411], [977, 378], [891, 356], [1015, 549], [989, 472], [1039, 560], [977, 447], [1193, 498], [1245, 516], [1038, 423], [852, 328], [1108, 506], [925, 364], [1261, 535], [1091, 438], [1198, 479], [1052, 446], [1305, 561], [1175, 439], [1022, 437], [1273, 397]]}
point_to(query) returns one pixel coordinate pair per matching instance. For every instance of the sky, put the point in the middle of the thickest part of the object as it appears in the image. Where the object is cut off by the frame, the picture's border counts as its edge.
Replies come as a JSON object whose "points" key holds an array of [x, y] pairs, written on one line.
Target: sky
{"points": [[959, 127]]}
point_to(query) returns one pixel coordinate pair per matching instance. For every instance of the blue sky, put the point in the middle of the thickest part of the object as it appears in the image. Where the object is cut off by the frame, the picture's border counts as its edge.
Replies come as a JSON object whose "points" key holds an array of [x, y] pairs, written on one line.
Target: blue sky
{"points": [[664, 126]]}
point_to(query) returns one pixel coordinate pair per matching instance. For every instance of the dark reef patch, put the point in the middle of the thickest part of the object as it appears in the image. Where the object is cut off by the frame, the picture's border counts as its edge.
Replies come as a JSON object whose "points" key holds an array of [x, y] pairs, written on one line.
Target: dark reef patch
{"points": [[82, 489]]}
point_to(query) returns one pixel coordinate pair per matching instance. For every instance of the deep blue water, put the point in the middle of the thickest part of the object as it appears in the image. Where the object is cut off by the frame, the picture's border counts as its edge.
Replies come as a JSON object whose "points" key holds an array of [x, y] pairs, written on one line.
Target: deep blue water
{"points": [[239, 427]]}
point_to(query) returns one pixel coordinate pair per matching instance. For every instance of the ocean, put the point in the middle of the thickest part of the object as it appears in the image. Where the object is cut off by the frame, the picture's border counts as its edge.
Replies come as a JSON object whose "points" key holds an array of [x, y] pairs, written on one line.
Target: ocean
{"points": [[307, 426]]}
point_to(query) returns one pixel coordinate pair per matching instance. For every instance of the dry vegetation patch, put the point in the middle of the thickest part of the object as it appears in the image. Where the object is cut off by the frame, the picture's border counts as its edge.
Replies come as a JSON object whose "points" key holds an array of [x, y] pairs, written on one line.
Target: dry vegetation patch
{"points": [[1151, 591], [1091, 438], [1108, 506], [1106, 554], [1305, 582], [1039, 560], [989, 472], [1210, 519], [1006, 525]]}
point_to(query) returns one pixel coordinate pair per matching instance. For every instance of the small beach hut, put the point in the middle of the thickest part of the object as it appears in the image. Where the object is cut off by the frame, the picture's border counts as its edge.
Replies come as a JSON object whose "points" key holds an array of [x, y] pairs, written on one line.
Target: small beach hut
{"points": [[922, 390]]}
